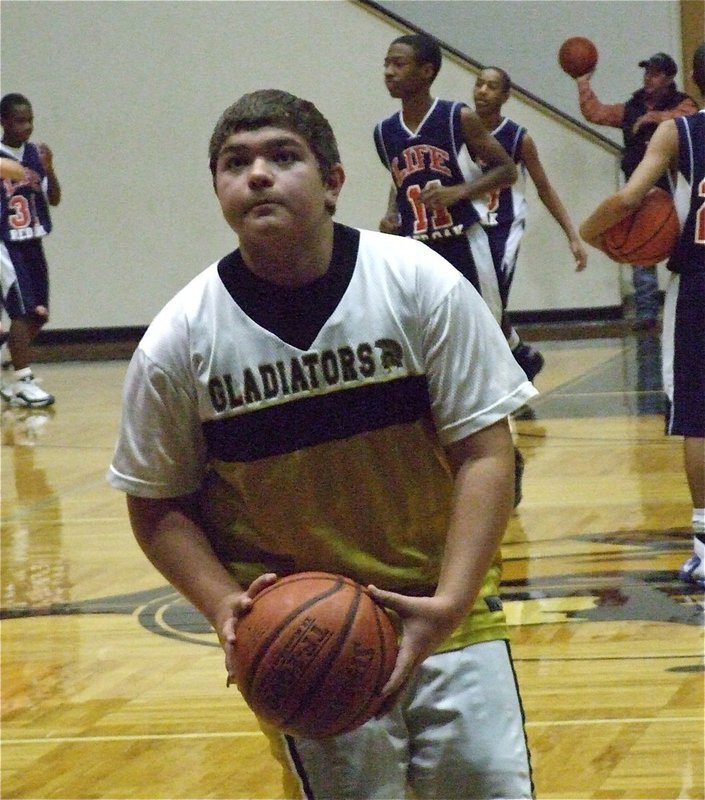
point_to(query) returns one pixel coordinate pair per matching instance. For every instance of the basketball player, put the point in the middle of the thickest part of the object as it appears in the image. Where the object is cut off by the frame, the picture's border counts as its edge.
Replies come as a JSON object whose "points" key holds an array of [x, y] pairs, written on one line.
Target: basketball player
{"points": [[429, 147], [24, 221], [328, 398], [678, 145], [656, 101], [503, 211]]}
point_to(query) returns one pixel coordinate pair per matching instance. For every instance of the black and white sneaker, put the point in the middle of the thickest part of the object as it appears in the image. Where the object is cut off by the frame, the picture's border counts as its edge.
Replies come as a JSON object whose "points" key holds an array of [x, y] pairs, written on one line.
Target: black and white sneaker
{"points": [[530, 360], [26, 392]]}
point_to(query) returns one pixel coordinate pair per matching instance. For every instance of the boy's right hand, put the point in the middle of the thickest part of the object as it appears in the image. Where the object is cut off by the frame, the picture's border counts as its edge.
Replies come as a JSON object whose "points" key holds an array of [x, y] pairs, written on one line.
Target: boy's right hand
{"points": [[233, 607]]}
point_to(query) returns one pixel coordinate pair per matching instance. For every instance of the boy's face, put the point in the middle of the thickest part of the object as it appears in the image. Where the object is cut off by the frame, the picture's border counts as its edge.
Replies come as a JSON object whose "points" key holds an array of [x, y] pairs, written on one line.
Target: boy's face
{"points": [[489, 96], [403, 75], [17, 125], [269, 184]]}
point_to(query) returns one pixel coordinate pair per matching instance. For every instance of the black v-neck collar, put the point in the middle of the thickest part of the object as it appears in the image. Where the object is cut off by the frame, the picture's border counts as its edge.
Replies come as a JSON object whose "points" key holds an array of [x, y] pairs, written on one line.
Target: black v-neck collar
{"points": [[296, 316]]}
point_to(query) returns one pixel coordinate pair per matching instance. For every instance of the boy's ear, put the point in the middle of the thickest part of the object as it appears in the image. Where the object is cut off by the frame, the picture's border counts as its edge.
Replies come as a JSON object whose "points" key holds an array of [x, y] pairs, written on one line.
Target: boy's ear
{"points": [[427, 70], [334, 181]]}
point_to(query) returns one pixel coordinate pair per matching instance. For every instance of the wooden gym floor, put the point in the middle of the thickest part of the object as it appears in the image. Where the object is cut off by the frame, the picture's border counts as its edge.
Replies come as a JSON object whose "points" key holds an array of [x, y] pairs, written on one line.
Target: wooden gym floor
{"points": [[113, 687]]}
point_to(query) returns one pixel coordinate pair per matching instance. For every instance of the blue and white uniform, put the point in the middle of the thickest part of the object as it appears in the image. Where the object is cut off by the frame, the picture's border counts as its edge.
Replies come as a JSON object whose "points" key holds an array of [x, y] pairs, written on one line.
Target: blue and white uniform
{"points": [[436, 153], [24, 221], [503, 211], [684, 308]]}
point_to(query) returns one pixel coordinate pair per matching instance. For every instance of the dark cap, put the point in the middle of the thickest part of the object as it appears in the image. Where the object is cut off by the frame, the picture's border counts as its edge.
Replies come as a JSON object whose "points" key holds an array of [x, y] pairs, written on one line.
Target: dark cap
{"points": [[660, 62]]}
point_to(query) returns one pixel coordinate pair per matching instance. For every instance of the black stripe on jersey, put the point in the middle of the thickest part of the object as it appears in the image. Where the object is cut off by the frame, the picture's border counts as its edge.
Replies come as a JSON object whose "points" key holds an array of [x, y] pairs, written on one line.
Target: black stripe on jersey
{"points": [[294, 315], [292, 426]]}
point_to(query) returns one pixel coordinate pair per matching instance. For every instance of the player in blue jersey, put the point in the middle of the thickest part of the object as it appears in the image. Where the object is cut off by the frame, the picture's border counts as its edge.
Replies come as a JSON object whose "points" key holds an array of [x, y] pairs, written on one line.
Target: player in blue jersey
{"points": [[431, 147], [503, 211], [24, 221], [678, 146], [335, 399], [656, 101]]}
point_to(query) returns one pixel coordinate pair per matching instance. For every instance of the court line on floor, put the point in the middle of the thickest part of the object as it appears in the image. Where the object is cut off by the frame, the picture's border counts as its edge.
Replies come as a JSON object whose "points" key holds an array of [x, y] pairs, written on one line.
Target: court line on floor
{"points": [[249, 734]]}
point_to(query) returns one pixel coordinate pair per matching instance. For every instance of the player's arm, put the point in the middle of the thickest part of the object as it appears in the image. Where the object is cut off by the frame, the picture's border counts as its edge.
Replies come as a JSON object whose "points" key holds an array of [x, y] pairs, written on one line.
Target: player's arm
{"points": [[501, 170], [549, 197], [661, 154], [390, 221], [53, 185], [9, 168], [171, 536], [686, 107], [483, 466]]}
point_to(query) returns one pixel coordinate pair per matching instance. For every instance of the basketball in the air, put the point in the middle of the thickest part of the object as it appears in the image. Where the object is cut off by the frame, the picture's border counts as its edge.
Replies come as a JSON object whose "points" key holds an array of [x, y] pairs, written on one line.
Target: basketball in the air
{"points": [[647, 235], [577, 56], [313, 653]]}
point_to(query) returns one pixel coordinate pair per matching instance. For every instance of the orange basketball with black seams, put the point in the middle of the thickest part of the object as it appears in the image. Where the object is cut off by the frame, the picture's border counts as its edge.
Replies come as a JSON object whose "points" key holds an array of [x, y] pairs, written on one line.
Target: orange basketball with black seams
{"points": [[313, 653], [577, 56], [647, 235]]}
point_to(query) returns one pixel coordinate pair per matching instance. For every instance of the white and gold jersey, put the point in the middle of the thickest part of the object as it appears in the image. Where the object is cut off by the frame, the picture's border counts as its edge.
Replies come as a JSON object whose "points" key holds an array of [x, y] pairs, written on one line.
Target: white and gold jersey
{"points": [[313, 420]]}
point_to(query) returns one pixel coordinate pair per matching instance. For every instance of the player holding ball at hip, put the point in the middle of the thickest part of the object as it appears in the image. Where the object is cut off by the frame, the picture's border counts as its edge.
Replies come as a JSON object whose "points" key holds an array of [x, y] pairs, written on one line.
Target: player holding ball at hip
{"points": [[333, 399]]}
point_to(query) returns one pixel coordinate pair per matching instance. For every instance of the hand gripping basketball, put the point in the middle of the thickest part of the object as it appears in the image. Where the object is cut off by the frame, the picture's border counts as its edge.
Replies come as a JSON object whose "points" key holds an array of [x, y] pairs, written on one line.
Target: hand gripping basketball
{"points": [[313, 653]]}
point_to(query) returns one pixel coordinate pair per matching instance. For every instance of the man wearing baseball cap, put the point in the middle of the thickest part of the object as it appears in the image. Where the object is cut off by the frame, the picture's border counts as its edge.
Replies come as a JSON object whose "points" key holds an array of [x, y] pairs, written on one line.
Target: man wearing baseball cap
{"points": [[661, 63], [656, 101]]}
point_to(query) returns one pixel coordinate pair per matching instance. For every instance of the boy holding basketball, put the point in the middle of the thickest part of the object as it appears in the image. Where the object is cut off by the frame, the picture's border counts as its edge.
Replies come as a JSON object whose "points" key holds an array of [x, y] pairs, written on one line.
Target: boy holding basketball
{"points": [[679, 146], [657, 100], [326, 398]]}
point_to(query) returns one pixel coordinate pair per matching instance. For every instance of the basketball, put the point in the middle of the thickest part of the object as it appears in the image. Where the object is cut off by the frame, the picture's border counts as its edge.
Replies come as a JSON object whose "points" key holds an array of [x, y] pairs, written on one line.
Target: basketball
{"points": [[647, 235], [577, 56], [313, 653]]}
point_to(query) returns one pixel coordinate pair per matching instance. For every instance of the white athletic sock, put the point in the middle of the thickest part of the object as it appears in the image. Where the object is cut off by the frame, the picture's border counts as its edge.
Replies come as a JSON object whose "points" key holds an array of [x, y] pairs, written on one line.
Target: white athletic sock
{"points": [[25, 372], [699, 548], [514, 340]]}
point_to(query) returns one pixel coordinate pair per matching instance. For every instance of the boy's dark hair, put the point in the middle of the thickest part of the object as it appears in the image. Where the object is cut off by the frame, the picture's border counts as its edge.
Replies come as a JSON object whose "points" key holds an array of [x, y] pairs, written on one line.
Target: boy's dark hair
{"points": [[504, 75], [281, 110], [699, 67], [426, 50], [10, 101]]}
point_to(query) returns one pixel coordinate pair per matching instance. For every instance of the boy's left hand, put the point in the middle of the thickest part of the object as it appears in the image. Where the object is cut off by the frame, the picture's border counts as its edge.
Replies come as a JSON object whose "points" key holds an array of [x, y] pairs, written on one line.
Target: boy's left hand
{"points": [[426, 623], [46, 156]]}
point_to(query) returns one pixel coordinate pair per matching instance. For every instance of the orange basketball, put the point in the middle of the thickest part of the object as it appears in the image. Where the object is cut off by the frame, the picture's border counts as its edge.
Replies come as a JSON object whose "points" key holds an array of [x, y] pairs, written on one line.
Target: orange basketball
{"points": [[647, 235], [577, 56], [313, 653]]}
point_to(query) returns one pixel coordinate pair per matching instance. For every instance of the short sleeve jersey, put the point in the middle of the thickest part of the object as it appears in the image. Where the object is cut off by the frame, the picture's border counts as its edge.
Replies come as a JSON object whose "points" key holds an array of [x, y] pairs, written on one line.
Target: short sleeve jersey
{"points": [[320, 446], [435, 153]]}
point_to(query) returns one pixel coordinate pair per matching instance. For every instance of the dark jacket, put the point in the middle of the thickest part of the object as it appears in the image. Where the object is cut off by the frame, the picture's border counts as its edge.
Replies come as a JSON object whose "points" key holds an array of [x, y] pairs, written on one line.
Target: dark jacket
{"points": [[635, 143]]}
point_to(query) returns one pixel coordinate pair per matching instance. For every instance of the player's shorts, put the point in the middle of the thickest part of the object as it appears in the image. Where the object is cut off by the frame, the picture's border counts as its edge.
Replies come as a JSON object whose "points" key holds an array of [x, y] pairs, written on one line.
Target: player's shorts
{"points": [[504, 246], [24, 277], [470, 254], [457, 732], [683, 343]]}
